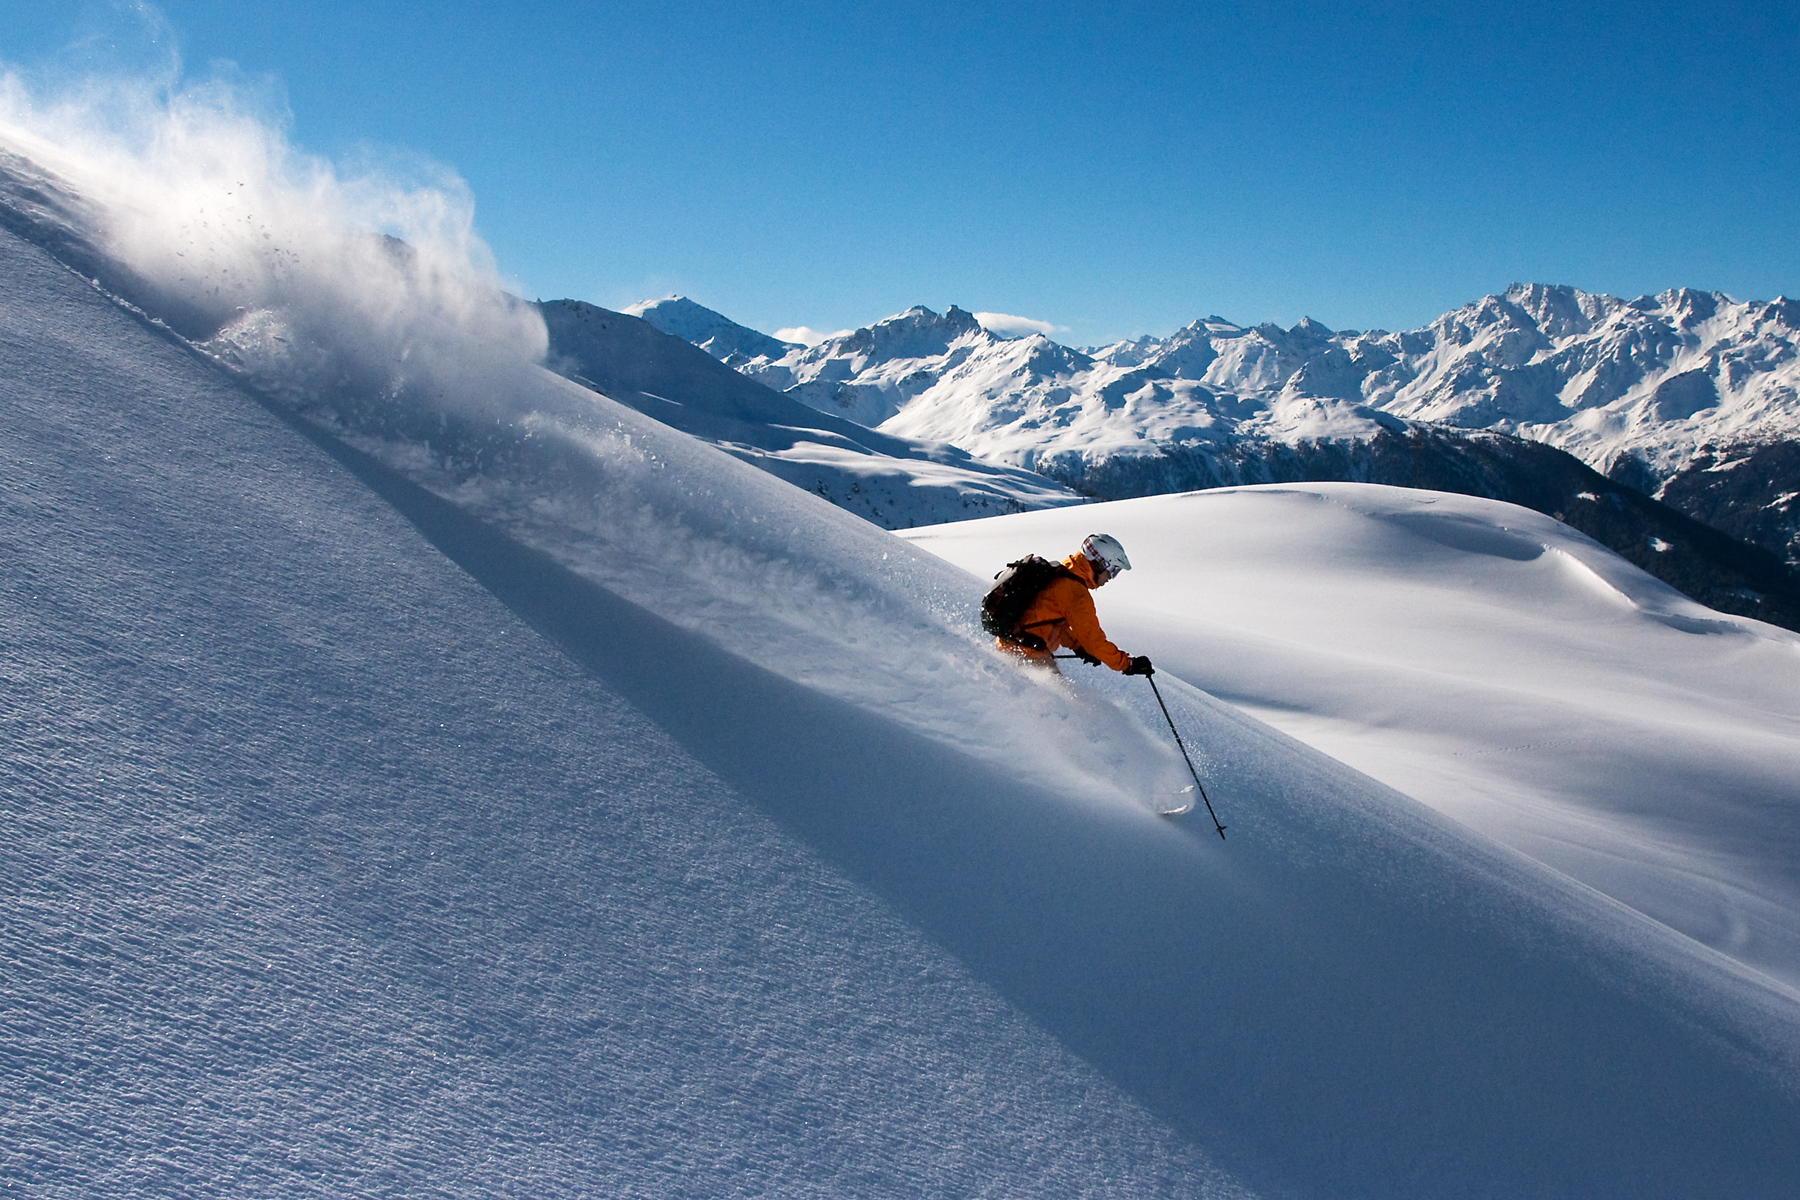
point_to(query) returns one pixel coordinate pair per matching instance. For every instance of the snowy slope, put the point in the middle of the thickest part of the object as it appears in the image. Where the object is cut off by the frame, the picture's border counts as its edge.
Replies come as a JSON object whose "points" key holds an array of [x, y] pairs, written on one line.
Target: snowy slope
{"points": [[449, 780], [327, 874], [1490, 662]]}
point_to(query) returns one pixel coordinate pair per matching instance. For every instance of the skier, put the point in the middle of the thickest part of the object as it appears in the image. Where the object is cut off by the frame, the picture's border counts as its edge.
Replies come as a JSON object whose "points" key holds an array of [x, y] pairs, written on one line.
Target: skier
{"points": [[1061, 614]]}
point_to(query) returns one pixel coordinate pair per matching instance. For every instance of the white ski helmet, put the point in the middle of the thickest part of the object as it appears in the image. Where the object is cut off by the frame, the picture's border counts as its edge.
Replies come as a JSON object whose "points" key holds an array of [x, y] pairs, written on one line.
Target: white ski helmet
{"points": [[1104, 551]]}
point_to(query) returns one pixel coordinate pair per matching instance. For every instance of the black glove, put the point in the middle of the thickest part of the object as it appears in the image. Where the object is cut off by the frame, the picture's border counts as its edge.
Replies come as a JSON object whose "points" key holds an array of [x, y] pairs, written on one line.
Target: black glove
{"points": [[1140, 666], [1087, 658]]}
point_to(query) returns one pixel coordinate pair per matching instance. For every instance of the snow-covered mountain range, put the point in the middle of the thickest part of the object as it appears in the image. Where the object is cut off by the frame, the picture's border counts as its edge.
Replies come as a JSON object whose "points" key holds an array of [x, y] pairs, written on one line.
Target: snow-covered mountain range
{"points": [[902, 483], [1668, 394], [895, 481]]}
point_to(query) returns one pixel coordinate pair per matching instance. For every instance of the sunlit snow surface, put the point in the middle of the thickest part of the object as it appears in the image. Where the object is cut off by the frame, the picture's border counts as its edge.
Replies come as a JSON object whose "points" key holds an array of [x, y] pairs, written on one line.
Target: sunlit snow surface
{"points": [[425, 777], [325, 875], [1486, 660]]}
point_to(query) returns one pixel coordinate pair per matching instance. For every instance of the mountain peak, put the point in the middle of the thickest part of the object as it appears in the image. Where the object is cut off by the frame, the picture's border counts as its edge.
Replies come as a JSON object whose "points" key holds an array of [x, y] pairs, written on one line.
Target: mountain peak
{"points": [[713, 332], [1558, 310], [921, 317], [916, 333]]}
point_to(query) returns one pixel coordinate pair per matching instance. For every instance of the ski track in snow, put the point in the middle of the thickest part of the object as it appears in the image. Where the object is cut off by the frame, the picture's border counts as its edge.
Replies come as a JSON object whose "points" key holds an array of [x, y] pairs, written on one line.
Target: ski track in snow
{"points": [[534, 801]]}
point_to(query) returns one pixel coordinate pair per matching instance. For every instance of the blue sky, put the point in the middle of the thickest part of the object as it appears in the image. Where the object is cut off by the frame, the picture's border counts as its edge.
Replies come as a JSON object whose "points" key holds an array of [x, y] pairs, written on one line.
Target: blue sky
{"points": [[1110, 168]]}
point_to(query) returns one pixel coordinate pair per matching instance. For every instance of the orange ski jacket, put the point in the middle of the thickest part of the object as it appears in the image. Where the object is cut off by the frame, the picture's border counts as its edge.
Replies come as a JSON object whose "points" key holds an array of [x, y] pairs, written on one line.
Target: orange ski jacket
{"points": [[1063, 615]]}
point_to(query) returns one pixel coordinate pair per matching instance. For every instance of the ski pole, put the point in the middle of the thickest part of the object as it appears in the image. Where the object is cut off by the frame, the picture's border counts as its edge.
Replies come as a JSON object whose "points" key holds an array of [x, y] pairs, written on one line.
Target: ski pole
{"points": [[1184, 755]]}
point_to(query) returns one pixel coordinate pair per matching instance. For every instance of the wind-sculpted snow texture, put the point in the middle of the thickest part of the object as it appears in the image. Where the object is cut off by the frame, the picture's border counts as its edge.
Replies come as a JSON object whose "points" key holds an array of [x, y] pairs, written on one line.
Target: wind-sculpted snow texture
{"points": [[1657, 391], [471, 792], [1492, 663]]}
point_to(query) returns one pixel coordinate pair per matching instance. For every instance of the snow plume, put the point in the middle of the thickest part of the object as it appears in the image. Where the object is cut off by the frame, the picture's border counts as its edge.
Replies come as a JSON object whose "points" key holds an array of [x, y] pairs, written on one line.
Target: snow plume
{"points": [[313, 279], [370, 308]]}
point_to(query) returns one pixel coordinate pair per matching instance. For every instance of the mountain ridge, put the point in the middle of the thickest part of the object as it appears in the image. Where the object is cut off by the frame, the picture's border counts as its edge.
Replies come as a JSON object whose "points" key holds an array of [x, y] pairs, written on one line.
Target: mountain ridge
{"points": [[1220, 404], [1655, 379]]}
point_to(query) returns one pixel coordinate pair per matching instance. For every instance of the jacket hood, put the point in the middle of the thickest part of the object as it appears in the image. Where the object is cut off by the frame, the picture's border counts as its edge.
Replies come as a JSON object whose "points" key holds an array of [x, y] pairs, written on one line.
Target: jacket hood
{"points": [[1084, 569]]}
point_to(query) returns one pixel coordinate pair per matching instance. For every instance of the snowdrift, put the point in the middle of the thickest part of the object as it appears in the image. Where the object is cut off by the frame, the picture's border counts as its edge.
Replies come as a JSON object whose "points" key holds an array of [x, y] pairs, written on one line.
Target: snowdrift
{"points": [[428, 781]]}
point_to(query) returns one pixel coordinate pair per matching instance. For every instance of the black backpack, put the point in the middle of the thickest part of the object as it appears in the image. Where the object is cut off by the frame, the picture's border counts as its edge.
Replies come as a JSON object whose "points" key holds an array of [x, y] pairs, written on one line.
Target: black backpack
{"points": [[1014, 590]]}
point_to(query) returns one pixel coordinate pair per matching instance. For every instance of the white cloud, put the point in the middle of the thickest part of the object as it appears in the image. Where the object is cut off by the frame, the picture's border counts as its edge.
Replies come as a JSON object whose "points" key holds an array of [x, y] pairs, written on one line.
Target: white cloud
{"points": [[1008, 326], [805, 336]]}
